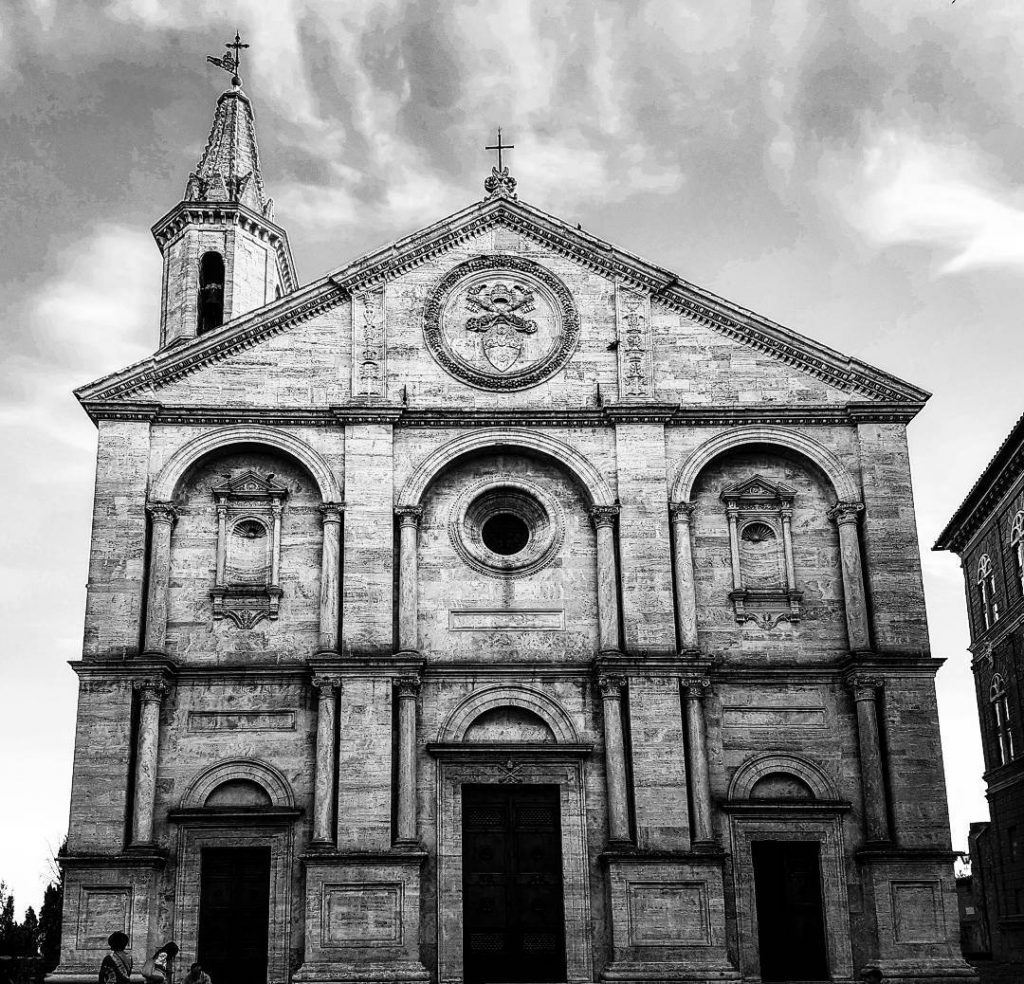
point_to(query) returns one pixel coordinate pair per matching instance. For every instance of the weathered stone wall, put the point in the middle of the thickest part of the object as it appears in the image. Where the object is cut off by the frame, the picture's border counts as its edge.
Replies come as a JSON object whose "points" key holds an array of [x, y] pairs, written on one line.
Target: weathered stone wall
{"points": [[117, 561], [450, 591]]}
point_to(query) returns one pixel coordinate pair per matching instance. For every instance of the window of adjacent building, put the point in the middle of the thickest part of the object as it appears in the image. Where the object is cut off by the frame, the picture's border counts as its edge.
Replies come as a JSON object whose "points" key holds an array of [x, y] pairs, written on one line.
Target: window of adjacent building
{"points": [[1017, 545], [987, 591], [1001, 718]]}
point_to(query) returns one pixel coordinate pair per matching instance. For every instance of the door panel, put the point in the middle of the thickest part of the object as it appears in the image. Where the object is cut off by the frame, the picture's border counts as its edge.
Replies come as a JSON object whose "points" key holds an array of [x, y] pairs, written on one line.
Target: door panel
{"points": [[234, 912], [512, 884]]}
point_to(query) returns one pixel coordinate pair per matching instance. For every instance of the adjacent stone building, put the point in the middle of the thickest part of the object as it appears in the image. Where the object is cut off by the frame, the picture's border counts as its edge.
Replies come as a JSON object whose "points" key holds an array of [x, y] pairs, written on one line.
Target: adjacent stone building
{"points": [[987, 532], [498, 607]]}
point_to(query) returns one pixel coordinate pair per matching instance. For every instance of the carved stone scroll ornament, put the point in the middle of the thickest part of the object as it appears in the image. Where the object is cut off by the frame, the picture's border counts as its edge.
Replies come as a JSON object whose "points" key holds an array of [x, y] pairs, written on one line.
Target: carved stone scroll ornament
{"points": [[247, 584]]}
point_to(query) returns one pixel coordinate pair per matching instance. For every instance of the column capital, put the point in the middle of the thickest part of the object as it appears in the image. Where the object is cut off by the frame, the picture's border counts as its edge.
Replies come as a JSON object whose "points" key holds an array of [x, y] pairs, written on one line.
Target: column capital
{"points": [[407, 686], [843, 513], [330, 512], [326, 683], [611, 685], [409, 515], [603, 515], [864, 685], [695, 686], [681, 511], [162, 512], [152, 690]]}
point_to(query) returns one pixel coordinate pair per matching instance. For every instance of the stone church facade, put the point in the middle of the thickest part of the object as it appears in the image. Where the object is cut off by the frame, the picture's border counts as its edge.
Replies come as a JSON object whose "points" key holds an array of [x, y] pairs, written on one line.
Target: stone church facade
{"points": [[498, 607]]}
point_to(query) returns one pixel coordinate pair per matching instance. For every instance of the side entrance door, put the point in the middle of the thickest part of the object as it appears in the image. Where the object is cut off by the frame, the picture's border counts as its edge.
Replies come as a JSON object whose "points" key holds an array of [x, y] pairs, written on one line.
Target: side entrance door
{"points": [[234, 912], [791, 925], [513, 923]]}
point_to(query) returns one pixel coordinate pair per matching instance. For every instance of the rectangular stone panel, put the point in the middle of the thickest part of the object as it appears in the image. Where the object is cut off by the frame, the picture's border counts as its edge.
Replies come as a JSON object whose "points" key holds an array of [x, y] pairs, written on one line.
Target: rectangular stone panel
{"points": [[916, 912], [668, 914], [362, 915], [773, 717], [207, 721], [505, 619], [103, 911]]}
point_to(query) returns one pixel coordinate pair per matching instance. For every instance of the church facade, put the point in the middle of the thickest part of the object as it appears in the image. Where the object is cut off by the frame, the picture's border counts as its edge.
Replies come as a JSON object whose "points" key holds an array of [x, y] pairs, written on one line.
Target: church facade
{"points": [[498, 607]]}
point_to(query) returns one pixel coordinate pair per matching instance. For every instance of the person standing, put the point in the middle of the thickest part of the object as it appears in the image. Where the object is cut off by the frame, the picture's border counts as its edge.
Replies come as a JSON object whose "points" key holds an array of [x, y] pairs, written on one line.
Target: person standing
{"points": [[116, 967]]}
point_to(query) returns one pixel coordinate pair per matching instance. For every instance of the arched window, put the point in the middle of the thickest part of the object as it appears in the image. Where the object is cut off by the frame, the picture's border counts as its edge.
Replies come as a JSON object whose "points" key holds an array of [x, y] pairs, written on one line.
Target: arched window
{"points": [[1017, 544], [211, 292], [987, 591], [1001, 717]]}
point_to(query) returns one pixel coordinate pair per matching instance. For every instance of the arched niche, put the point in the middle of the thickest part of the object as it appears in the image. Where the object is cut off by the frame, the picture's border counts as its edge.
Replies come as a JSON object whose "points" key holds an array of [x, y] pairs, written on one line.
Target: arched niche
{"points": [[768, 773], [239, 776], [586, 475], [188, 455], [478, 707], [235, 794], [834, 470], [509, 724]]}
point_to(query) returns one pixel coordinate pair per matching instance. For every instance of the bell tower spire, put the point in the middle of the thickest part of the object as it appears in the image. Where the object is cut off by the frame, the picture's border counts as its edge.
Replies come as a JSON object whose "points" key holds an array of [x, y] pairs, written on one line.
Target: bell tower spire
{"points": [[223, 253]]}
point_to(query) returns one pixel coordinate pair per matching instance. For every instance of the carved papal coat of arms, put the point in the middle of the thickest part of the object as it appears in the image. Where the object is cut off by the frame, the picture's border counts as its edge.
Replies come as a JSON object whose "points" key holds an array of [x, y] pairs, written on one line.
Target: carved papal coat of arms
{"points": [[500, 308], [501, 322]]}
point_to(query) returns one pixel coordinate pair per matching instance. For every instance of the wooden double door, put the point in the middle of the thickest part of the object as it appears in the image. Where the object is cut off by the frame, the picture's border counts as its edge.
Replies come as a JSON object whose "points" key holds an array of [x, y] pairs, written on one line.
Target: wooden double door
{"points": [[790, 917], [234, 914], [513, 920]]}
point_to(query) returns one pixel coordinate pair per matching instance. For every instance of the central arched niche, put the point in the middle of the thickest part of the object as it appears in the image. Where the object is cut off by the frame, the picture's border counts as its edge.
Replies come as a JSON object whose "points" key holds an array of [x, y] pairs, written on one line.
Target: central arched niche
{"points": [[531, 595], [238, 794], [509, 724], [815, 556], [192, 631]]}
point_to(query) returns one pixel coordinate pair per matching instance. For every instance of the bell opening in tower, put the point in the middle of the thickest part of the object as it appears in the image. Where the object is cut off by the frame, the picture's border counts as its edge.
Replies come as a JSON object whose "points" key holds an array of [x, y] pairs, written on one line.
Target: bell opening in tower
{"points": [[211, 292]]}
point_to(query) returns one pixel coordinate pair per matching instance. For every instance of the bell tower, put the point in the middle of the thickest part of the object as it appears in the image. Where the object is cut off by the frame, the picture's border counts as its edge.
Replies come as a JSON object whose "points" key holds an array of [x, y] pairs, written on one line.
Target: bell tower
{"points": [[223, 254]]}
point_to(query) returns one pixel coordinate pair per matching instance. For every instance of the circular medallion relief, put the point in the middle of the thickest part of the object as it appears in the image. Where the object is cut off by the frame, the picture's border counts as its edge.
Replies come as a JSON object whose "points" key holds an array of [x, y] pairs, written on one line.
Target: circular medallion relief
{"points": [[505, 525], [501, 322]]}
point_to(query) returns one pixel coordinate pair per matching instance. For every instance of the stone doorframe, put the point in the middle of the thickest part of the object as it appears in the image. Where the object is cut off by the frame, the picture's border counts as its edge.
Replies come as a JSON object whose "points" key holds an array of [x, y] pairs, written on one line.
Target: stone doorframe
{"points": [[519, 764], [794, 822], [235, 831]]}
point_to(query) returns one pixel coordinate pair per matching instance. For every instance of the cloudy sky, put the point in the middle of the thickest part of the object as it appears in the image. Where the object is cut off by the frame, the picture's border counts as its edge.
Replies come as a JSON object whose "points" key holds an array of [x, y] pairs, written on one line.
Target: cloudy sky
{"points": [[853, 169]]}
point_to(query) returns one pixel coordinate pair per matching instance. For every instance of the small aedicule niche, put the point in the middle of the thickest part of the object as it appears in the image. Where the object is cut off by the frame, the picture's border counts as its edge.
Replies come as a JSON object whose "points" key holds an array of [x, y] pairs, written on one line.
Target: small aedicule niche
{"points": [[247, 586], [760, 515]]}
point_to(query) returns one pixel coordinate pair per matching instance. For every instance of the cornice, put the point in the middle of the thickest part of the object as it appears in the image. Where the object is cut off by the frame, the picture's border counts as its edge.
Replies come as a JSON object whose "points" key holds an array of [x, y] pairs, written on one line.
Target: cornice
{"points": [[129, 668], [170, 365], [173, 225], [998, 480], [671, 415], [789, 347]]}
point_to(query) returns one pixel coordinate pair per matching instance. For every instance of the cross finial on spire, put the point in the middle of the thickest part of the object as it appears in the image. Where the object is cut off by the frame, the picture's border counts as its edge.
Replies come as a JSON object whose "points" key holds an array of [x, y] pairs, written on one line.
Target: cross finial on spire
{"points": [[230, 62], [500, 182], [499, 147]]}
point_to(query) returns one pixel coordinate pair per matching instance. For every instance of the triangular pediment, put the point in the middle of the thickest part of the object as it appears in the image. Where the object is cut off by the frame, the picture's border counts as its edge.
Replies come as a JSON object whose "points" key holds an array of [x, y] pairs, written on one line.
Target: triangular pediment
{"points": [[857, 380], [251, 485], [757, 488]]}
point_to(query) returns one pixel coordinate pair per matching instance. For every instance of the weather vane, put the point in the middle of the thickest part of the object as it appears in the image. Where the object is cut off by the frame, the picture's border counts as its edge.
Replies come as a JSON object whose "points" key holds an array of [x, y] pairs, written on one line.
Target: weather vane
{"points": [[230, 62]]}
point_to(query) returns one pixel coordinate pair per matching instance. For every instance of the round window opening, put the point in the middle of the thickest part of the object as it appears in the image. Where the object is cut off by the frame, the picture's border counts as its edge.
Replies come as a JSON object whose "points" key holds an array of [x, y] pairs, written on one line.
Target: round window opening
{"points": [[505, 534]]}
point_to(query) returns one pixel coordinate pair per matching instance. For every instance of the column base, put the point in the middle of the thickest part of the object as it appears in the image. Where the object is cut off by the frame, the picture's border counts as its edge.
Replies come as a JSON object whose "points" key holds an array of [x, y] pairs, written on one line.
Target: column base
{"points": [[912, 897], [363, 917], [667, 917]]}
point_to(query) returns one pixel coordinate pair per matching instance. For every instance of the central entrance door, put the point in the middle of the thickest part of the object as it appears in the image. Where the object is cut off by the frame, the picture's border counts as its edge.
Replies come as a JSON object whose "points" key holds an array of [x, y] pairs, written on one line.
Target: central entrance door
{"points": [[234, 912], [791, 927], [513, 924]]}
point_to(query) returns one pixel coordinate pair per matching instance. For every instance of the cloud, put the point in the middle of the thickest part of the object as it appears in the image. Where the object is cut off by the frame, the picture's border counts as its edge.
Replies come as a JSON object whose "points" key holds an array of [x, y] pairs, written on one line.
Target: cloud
{"points": [[912, 191]]}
